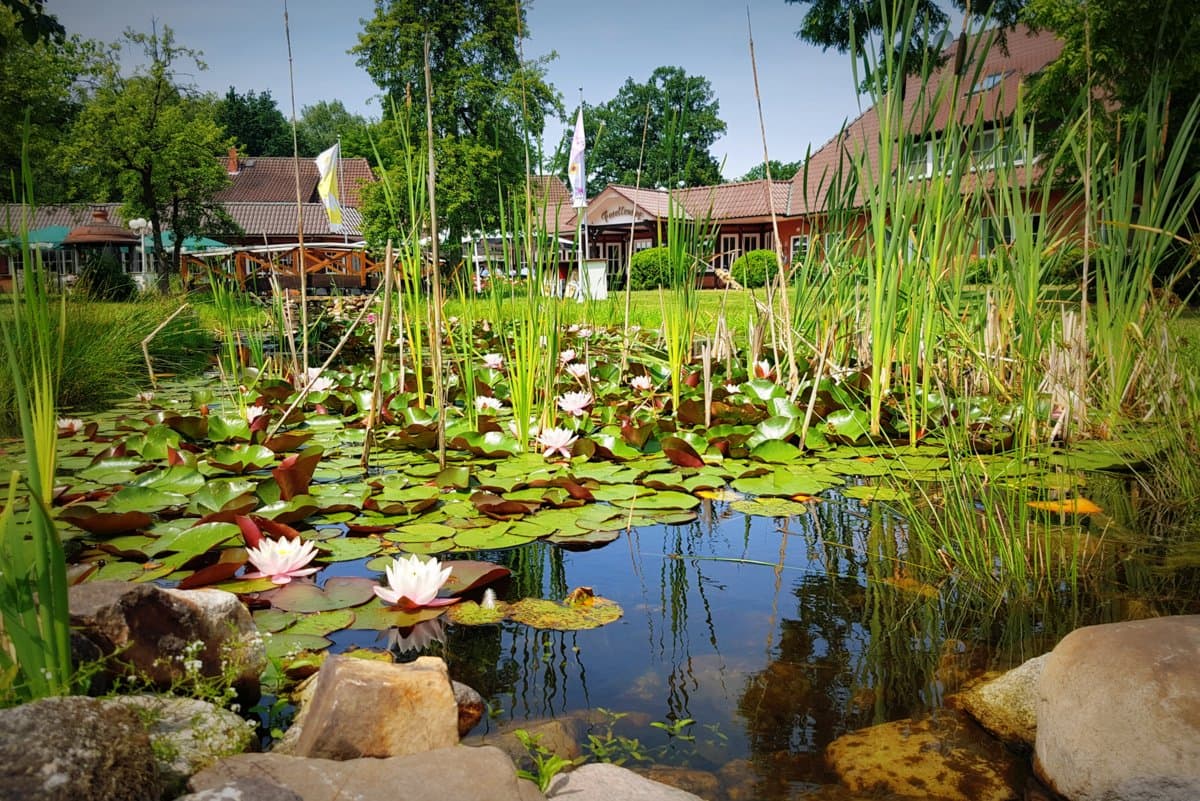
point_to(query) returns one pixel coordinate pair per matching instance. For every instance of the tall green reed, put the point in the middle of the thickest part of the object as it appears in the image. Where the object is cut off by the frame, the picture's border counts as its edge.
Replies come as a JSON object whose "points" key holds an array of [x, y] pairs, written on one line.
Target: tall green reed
{"points": [[35, 654]]}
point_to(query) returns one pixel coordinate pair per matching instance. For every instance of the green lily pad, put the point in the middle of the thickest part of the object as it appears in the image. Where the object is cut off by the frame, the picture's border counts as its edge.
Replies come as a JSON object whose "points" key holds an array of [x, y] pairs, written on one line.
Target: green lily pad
{"points": [[469, 613], [241, 458], [195, 540], [420, 532], [273, 620], [322, 623], [542, 614], [848, 425], [660, 500], [177, 479], [144, 499], [340, 592], [785, 482], [347, 549], [379, 617], [777, 451], [227, 429], [879, 493], [770, 507], [285, 644]]}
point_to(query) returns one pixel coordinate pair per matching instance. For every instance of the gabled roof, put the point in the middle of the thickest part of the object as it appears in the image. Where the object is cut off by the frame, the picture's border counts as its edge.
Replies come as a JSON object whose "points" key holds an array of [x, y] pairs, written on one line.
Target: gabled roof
{"points": [[743, 200], [988, 87], [12, 216], [272, 179], [279, 220]]}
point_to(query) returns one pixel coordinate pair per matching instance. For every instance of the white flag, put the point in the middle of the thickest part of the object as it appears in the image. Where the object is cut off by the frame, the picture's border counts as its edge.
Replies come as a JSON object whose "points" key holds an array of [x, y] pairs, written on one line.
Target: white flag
{"points": [[327, 187], [575, 171]]}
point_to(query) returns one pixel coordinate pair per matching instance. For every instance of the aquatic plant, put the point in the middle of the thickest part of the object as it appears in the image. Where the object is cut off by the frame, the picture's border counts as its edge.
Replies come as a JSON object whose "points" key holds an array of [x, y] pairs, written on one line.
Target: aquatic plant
{"points": [[413, 582], [281, 560]]}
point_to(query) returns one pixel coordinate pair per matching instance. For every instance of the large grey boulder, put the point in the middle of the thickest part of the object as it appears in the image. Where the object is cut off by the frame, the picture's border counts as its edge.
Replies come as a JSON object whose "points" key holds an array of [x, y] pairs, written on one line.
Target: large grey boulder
{"points": [[603, 781], [76, 749], [165, 636], [1119, 712], [363, 708], [1006, 705], [943, 757], [460, 773], [187, 734]]}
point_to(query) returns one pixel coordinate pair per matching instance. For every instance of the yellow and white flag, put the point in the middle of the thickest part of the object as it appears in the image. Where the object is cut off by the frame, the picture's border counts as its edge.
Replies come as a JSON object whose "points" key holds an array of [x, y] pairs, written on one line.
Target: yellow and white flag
{"points": [[327, 186]]}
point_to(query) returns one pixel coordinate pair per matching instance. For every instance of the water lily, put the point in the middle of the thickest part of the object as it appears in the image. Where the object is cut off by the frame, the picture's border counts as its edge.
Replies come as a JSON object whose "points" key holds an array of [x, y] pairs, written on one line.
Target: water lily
{"points": [[145, 396], [68, 426], [764, 369], [557, 440], [642, 383], [575, 403], [487, 402], [567, 356], [732, 389], [414, 583], [281, 560], [254, 412], [493, 361], [578, 370]]}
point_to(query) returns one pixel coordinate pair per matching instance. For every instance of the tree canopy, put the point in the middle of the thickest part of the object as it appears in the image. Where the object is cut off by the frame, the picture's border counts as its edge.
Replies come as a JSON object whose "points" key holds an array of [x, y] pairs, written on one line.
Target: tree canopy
{"points": [[154, 144], [780, 171], [486, 103], [679, 116], [255, 123], [323, 122]]}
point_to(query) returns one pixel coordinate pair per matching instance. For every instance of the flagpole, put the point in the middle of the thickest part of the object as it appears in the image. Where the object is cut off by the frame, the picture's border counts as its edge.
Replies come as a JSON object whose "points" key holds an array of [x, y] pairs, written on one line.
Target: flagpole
{"points": [[341, 196]]}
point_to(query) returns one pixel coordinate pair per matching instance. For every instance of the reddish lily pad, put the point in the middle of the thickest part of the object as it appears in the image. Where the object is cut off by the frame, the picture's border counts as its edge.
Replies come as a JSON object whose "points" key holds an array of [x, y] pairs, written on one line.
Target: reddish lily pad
{"points": [[105, 523], [681, 453], [295, 472], [467, 574]]}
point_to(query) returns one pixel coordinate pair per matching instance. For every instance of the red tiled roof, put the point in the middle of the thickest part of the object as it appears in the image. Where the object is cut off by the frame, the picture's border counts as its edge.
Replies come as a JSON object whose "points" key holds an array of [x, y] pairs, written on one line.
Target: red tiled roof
{"points": [[927, 109], [12, 215], [737, 201], [279, 220], [272, 179]]}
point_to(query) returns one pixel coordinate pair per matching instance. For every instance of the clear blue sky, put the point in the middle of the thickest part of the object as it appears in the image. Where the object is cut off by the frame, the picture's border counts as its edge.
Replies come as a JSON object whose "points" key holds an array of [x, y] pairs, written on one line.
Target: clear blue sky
{"points": [[806, 94]]}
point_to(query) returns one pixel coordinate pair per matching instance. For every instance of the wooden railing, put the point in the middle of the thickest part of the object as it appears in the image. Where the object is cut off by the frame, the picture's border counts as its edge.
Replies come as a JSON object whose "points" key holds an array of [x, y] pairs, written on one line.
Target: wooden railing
{"points": [[325, 266]]}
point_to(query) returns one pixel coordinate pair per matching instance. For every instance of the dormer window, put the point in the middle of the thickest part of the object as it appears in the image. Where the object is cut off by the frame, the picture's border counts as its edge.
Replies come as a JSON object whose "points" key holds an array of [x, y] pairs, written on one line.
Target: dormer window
{"points": [[987, 83]]}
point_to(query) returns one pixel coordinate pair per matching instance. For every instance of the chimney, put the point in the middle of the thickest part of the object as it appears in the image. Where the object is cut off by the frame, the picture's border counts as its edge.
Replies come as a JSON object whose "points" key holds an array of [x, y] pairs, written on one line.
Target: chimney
{"points": [[232, 166]]}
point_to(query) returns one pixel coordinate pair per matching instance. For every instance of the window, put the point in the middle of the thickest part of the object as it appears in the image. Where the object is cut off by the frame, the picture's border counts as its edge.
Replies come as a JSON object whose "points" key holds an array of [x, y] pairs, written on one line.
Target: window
{"points": [[729, 250], [987, 82], [923, 158], [994, 234], [799, 248], [750, 242], [993, 146]]}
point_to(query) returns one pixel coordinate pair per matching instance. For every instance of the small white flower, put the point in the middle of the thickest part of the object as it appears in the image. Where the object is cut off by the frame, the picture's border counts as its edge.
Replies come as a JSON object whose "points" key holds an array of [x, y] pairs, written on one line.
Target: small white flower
{"points": [[487, 402], [642, 383], [578, 370], [68, 426], [567, 356], [493, 361], [575, 403]]}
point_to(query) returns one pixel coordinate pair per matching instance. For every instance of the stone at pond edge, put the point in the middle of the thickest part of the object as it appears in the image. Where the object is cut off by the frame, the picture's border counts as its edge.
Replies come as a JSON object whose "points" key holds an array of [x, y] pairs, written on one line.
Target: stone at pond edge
{"points": [[155, 628], [1006, 705], [604, 781], [1119, 712], [245, 788], [471, 707], [938, 758], [559, 736], [187, 734], [459, 773], [362, 708], [75, 749], [699, 782]]}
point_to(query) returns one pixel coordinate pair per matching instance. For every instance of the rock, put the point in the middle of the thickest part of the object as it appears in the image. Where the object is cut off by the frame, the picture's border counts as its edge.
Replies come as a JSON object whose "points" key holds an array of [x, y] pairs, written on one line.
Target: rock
{"points": [[471, 707], [942, 758], [557, 736], [245, 788], [603, 781], [1007, 705], [362, 708], [186, 734], [1119, 712], [697, 782], [459, 773], [75, 749], [157, 630]]}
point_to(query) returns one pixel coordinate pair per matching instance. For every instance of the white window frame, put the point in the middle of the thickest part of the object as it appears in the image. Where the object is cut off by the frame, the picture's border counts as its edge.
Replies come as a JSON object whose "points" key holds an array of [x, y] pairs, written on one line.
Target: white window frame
{"points": [[751, 242], [923, 158], [729, 250], [799, 249]]}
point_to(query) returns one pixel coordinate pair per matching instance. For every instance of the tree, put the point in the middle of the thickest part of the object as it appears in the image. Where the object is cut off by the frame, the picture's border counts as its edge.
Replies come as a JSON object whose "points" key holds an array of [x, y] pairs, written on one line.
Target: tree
{"points": [[39, 82], [848, 25], [487, 105], [780, 171], [679, 116], [32, 24], [255, 122], [153, 144], [321, 124]]}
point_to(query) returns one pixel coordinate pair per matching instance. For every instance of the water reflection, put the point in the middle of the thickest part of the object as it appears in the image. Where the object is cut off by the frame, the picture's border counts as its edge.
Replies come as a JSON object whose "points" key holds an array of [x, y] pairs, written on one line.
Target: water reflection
{"points": [[775, 635]]}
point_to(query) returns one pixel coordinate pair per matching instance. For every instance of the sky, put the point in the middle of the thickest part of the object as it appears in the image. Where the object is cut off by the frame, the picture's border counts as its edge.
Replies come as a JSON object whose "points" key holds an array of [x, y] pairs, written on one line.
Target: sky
{"points": [[807, 94]]}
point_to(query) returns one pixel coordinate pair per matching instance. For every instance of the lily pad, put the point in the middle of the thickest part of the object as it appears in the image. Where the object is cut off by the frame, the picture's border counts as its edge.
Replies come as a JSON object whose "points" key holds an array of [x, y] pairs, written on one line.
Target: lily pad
{"points": [[542, 614], [770, 507], [340, 592], [469, 613], [347, 549], [379, 617], [878, 493]]}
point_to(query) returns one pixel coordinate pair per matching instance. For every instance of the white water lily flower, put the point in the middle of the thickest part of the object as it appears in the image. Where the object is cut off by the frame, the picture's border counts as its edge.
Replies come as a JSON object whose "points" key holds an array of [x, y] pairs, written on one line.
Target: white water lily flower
{"points": [[68, 426], [578, 370], [281, 560], [254, 412], [483, 402], [493, 361], [575, 403], [414, 582], [567, 356], [557, 440], [145, 396], [732, 389], [642, 383], [764, 369]]}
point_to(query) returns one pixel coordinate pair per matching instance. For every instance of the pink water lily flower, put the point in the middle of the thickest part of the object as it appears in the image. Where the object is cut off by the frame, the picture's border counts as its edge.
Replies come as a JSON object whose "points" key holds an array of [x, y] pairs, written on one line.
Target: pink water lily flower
{"points": [[68, 426], [556, 440], [567, 356], [488, 403], [414, 583], [575, 403], [281, 560], [642, 383], [493, 361], [578, 370]]}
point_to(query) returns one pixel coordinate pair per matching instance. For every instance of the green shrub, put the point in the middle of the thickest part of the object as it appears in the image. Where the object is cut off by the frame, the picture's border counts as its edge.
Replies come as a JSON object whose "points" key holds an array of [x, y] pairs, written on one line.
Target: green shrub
{"points": [[752, 269], [650, 269], [102, 278]]}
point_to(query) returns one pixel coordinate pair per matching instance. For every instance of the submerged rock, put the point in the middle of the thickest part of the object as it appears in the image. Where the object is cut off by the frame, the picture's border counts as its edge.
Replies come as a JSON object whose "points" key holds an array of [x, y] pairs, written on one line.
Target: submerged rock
{"points": [[1006, 705], [604, 781], [76, 749], [699, 782], [558, 736], [1119, 712], [938, 758]]}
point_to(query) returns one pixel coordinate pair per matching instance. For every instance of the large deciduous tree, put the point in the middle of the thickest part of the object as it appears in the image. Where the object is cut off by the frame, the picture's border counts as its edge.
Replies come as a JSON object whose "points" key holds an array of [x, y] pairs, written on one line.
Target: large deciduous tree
{"points": [[487, 105], [780, 171], [324, 122], [255, 122], [155, 145], [678, 116]]}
